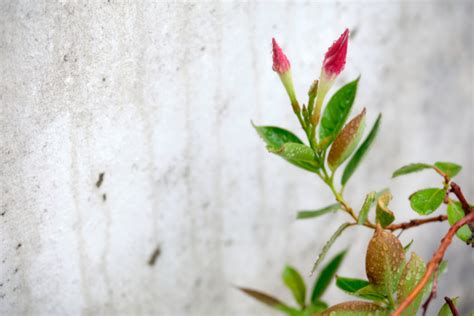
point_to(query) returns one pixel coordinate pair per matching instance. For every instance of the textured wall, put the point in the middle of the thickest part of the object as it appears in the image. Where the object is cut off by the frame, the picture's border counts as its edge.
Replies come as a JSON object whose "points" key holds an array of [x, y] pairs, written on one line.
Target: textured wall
{"points": [[158, 96]]}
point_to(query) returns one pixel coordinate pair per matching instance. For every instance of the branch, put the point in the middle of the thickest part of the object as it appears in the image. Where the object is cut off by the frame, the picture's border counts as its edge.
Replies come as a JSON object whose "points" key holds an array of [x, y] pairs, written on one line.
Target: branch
{"points": [[432, 295], [416, 222], [457, 191], [434, 262], [450, 303]]}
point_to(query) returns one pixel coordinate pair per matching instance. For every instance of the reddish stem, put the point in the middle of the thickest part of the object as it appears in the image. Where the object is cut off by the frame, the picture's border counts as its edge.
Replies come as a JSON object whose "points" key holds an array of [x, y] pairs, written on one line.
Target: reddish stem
{"points": [[457, 191], [434, 262], [416, 222], [450, 303]]}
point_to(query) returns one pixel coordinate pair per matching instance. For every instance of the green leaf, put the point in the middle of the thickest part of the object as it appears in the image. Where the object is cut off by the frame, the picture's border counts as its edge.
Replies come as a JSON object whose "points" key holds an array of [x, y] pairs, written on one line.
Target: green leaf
{"points": [[455, 214], [337, 111], [449, 168], [384, 216], [370, 292], [347, 141], [443, 265], [326, 276], [359, 288], [315, 213], [350, 285], [413, 167], [361, 152], [364, 211], [411, 275], [356, 308], [407, 247], [295, 151], [426, 201], [295, 283], [270, 301], [316, 307], [275, 137], [445, 310], [328, 245]]}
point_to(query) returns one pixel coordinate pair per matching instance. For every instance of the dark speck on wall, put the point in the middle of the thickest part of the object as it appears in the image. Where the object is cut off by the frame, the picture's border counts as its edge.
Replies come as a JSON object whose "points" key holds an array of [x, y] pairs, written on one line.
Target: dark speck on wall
{"points": [[104, 197], [354, 32], [100, 180], [18, 246], [154, 256]]}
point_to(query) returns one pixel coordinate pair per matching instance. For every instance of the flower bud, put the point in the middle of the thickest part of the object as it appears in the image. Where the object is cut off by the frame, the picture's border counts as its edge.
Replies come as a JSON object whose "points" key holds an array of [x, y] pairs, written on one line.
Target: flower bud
{"points": [[335, 58], [281, 65], [333, 64]]}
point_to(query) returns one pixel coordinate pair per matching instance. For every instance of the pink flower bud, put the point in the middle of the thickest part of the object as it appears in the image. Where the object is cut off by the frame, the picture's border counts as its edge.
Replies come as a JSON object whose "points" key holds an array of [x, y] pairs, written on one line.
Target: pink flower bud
{"points": [[280, 62], [335, 58]]}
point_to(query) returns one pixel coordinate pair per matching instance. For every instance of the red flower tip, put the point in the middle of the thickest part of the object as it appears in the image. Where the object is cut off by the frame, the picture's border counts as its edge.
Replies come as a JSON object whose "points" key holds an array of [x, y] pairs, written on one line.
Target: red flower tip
{"points": [[335, 58], [280, 62]]}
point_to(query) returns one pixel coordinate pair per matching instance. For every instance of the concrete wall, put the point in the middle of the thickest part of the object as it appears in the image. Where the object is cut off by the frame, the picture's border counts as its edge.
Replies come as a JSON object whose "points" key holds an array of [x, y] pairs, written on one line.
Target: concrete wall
{"points": [[158, 96]]}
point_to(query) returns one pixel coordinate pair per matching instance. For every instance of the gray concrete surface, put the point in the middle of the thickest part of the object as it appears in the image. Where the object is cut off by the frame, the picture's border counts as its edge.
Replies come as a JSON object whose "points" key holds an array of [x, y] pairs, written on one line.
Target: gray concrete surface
{"points": [[158, 96]]}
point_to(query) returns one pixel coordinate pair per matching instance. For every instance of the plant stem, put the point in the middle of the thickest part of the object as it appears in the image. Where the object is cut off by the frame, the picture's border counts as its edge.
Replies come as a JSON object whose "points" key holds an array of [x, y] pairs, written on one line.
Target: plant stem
{"points": [[457, 191], [450, 303], [339, 198], [416, 222], [434, 262], [433, 292], [300, 119]]}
